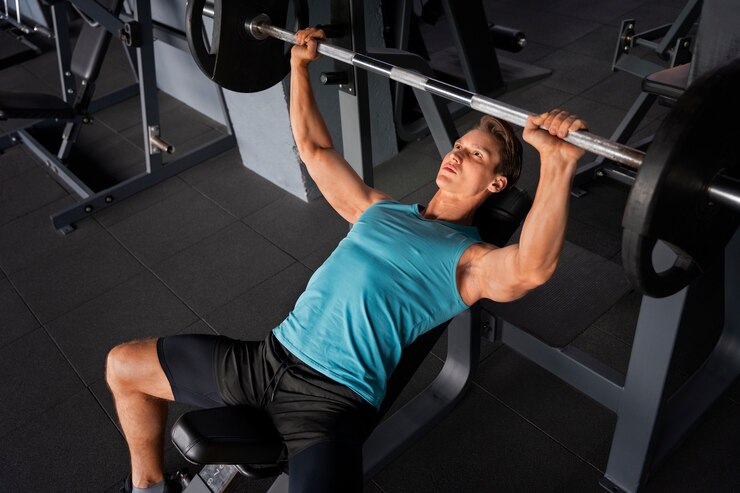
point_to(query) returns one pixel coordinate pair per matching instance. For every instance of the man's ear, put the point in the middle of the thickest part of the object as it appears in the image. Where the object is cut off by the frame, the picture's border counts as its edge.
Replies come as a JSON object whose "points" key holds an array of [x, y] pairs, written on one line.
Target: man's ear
{"points": [[498, 184]]}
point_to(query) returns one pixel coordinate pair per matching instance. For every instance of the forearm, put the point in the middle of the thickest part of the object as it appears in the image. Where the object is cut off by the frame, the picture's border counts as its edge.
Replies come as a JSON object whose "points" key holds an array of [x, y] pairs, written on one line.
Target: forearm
{"points": [[543, 232], [308, 126]]}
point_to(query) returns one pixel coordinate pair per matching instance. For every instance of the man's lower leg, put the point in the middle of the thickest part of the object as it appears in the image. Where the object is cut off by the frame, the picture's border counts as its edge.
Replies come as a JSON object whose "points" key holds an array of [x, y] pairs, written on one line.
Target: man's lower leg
{"points": [[137, 382]]}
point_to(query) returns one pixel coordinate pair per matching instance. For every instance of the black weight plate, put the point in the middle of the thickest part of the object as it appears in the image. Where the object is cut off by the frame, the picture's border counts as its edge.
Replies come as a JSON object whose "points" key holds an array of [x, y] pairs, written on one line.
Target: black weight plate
{"points": [[669, 200], [194, 33], [239, 62]]}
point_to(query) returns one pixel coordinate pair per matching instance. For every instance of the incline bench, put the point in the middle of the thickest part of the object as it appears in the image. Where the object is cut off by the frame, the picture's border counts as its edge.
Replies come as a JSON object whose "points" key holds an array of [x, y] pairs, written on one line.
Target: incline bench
{"points": [[246, 440]]}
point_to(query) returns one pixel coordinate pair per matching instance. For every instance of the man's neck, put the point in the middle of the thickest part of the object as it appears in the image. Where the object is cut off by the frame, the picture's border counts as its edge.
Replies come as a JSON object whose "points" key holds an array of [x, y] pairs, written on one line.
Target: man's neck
{"points": [[453, 208]]}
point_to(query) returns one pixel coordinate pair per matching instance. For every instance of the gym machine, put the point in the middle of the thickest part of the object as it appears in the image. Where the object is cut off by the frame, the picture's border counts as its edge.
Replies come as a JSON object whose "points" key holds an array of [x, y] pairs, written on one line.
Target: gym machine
{"points": [[681, 251], [15, 32], [672, 43], [78, 72]]}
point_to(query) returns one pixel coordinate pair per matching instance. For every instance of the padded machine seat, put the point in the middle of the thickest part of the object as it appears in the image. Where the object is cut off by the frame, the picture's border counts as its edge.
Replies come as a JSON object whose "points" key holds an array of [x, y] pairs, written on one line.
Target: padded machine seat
{"points": [[244, 436], [227, 435], [670, 83]]}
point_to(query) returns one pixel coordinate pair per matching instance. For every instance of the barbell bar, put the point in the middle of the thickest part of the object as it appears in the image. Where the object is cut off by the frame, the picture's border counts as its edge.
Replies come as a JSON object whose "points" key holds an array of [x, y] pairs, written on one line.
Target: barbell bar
{"points": [[260, 27], [723, 190]]}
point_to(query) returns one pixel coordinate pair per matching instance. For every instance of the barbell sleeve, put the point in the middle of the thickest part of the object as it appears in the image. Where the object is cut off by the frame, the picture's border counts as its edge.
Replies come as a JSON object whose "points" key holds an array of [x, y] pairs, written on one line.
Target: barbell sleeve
{"points": [[726, 191], [723, 190]]}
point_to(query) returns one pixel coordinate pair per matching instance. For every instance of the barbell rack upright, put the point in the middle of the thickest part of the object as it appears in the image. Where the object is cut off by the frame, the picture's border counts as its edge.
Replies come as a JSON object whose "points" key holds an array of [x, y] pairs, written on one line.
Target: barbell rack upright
{"points": [[724, 190]]}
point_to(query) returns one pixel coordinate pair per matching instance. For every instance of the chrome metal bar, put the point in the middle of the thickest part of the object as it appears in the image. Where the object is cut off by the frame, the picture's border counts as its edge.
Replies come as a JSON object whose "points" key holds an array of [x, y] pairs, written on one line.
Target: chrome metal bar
{"points": [[723, 190], [585, 140]]}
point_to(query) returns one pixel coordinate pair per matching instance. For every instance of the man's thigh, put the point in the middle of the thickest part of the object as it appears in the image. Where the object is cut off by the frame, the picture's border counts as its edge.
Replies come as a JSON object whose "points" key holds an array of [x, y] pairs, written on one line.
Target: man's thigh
{"points": [[193, 365]]}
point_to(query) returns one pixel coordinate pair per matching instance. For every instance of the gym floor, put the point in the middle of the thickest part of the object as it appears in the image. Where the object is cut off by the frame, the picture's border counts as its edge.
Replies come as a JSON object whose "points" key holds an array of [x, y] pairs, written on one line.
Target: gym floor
{"points": [[217, 249]]}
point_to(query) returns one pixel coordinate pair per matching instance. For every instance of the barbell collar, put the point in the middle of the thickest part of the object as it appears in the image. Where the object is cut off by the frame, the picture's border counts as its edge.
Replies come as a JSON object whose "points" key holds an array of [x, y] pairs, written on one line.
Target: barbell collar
{"points": [[253, 26]]}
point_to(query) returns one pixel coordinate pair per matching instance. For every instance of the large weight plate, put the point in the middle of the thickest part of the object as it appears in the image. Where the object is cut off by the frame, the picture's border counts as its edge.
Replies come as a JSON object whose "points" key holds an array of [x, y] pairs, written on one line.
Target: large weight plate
{"points": [[669, 200], [237, 61]]}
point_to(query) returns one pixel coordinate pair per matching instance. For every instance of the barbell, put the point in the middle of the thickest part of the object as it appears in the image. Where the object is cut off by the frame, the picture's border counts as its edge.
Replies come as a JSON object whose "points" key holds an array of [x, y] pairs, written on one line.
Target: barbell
{"points": [[686, 192]]}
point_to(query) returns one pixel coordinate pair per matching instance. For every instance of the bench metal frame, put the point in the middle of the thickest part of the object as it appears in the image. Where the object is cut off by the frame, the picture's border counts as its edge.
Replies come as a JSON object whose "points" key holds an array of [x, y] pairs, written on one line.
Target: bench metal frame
{"points": [[652, 419]]}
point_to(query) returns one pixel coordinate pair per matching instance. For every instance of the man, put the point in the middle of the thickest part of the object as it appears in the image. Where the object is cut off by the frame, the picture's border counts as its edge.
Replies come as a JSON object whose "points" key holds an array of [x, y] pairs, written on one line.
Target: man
{"points": [[401, 270]]}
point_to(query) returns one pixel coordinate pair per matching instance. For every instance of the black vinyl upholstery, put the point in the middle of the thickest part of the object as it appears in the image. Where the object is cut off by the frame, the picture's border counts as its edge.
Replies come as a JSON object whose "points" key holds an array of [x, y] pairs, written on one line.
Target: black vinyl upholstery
{"points": [[32, 105], [501, 215], [92, 45], [670, 83], [227, 435]]}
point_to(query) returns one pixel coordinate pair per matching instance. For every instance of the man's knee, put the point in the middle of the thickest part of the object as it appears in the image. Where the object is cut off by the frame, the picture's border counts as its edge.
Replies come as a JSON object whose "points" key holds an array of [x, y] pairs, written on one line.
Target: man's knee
{"points": [[126, 362]]}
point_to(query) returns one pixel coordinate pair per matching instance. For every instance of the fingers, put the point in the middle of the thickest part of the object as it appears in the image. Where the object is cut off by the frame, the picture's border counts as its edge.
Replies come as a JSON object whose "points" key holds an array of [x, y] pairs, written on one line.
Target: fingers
{"points": [[559, 122], [307, 37], [546, 131], [305, 49]]}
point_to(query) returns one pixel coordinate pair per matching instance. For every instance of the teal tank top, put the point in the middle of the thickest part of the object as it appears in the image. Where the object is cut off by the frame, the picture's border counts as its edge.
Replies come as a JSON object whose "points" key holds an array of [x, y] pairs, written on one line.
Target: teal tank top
{"points": [[392, 278]]}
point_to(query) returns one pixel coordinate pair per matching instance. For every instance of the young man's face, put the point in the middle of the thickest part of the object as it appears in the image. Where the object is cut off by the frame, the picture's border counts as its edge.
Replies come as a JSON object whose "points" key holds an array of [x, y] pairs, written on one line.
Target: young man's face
{"points": [[469, 168]]}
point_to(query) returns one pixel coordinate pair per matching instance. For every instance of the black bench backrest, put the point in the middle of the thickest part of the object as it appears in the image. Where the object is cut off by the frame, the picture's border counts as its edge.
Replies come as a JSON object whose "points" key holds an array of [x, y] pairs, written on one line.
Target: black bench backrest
{"points": [[92, 45], [501, 215]]}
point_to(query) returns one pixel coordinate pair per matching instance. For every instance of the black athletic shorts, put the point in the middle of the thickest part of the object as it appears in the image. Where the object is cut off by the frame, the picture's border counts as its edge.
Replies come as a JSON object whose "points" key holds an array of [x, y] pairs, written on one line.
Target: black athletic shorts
{"points": [[305, 406]]}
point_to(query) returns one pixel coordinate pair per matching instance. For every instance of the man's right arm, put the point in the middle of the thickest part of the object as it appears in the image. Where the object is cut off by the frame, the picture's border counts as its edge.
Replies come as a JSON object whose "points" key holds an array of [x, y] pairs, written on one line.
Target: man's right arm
{"points": [[338, 182]]}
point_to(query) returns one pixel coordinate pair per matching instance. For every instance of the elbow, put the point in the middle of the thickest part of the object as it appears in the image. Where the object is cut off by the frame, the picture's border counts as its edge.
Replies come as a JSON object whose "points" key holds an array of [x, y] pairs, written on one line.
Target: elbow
{"points": [[311, 154], [537, 277], [306, 151]]}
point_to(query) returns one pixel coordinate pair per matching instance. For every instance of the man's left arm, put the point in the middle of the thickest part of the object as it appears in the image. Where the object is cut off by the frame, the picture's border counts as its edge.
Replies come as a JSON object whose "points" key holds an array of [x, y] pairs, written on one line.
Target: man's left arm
{"points": [[509, 273]]}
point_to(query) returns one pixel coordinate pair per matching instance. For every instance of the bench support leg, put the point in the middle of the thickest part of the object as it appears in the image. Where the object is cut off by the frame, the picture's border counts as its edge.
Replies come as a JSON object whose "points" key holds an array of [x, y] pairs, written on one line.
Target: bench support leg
{"points": [[425, 410]]}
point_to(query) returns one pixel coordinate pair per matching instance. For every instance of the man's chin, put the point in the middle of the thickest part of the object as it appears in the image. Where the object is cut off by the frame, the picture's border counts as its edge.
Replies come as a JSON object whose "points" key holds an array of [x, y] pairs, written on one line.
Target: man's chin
{"points": [[443, 180]]}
